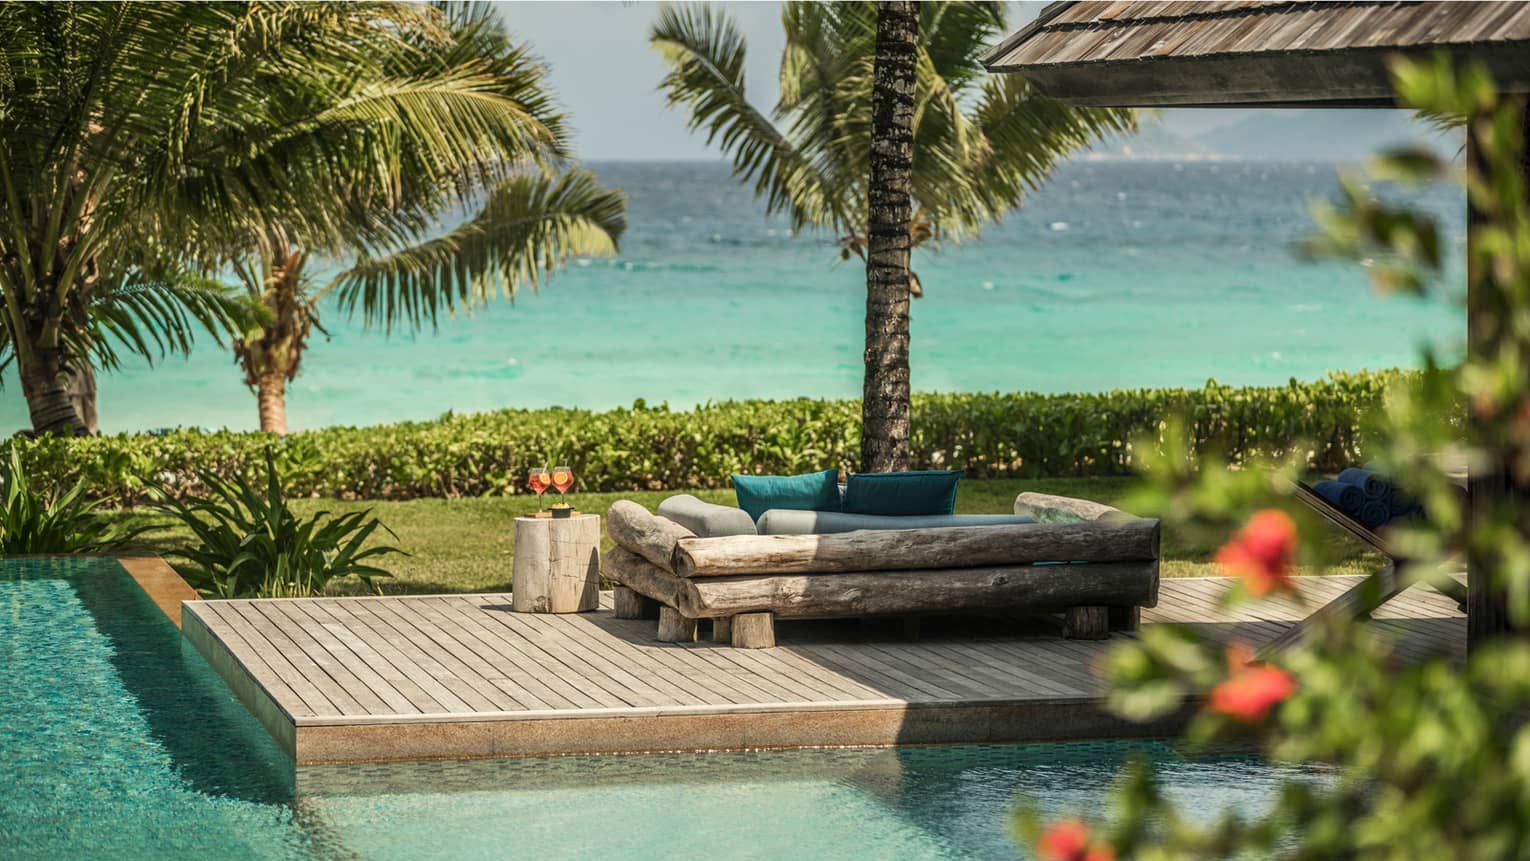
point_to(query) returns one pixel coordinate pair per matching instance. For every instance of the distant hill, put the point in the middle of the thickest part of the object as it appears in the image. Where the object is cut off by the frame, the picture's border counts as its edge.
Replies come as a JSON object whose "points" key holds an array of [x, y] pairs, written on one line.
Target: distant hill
{"points": [[1282, 135], [1323, 135]]}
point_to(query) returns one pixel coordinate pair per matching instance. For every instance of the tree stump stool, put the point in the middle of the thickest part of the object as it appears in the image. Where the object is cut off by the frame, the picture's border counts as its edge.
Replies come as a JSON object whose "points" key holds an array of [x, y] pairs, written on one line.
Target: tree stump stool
{"points": [[557, 564]]}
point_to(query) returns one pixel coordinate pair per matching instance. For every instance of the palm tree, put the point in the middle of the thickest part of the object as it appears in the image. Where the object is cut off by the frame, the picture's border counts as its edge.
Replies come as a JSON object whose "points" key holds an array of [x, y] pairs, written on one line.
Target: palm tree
{"points": [[136, 123], [885, 396], [479, 134], [979, 141], [181, 125]]}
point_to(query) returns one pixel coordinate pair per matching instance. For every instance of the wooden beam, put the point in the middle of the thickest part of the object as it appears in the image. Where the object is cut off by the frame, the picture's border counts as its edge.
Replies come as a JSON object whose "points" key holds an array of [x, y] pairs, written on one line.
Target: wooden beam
{"points": [[631, 604], [674, 627], [847, 595], [633, 528], [1352, 78], [754, 631], [942, 547], [1086, 623], [644, 577]]}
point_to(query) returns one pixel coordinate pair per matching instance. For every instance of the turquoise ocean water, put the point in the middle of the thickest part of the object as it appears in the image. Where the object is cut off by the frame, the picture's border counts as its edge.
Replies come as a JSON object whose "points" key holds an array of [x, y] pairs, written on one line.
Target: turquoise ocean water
{"points": [[119, 741], [1114, 275]]}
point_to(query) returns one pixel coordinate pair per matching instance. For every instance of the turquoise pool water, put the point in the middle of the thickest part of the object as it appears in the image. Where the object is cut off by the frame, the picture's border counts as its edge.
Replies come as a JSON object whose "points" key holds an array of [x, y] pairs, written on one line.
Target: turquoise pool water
{"points": [[118, 741]]}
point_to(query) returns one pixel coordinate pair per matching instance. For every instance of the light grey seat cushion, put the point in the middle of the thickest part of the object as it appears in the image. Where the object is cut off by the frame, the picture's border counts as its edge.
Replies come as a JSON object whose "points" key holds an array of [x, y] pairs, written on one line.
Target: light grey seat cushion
{"points": [[781, 521], [706, 519]]}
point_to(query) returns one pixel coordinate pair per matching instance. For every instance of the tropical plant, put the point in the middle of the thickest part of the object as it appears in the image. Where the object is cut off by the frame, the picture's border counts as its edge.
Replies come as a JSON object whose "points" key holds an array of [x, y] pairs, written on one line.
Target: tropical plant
{"points": [[32, 521], [248, 544], [419, 129], [1425, 761], [123, 125], [979, 141]]}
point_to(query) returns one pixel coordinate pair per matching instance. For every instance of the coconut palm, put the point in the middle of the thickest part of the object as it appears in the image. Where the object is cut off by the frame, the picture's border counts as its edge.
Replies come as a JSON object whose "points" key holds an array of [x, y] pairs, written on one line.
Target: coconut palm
{"points": [[181, 125], [132, 124], [480, 135], [979, 141]]}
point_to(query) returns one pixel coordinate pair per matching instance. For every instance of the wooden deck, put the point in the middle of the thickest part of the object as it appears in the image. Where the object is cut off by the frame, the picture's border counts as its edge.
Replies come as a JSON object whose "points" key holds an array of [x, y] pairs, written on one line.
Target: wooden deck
{"points": [[353, 679]]}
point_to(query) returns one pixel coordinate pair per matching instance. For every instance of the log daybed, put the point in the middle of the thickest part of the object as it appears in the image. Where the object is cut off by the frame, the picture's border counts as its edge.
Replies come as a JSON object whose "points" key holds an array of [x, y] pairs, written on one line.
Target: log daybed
{"points": [[1095, 564]]}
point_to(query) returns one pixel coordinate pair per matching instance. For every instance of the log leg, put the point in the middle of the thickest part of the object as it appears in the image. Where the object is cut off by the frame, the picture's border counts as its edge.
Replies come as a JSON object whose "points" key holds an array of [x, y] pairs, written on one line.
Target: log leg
{"points": [[632, 604], [675, 628], [1086, 623], [722, 629], [754, 631], [1125, 618]]}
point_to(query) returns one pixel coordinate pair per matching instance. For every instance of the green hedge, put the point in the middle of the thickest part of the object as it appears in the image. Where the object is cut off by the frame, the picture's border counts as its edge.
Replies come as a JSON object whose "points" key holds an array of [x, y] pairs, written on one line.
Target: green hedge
{"points": [[655, 448]]}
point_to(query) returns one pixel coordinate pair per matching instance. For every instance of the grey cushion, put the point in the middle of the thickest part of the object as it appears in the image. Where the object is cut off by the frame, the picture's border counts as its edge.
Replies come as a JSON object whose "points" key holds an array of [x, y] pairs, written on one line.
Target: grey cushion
{"points": [[780, 521], [706, 519]]}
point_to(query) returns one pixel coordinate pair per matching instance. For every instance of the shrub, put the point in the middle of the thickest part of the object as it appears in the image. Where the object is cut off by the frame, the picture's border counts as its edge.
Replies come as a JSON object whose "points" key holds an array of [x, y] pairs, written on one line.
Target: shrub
{"points": [[655, 448], [37, 522], [251, 545]]}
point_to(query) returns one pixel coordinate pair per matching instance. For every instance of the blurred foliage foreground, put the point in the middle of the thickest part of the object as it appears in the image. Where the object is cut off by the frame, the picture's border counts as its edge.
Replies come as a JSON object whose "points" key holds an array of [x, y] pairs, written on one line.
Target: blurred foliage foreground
{"points": [[1427, 761]]}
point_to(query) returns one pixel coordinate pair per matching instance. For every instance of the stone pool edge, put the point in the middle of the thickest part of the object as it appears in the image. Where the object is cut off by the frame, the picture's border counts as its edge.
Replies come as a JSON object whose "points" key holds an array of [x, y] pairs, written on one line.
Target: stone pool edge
{"points": [[161, 583]]}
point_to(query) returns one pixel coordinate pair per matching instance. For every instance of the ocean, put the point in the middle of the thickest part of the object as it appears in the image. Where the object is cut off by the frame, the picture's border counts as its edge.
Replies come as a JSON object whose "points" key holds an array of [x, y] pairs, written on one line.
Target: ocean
{"points": [[1113, 275]]}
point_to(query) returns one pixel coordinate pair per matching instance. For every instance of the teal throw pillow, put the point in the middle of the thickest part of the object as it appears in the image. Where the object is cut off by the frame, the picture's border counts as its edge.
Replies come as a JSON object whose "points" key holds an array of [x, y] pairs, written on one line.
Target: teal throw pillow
{"points": [[902, 494], [815, 491]]}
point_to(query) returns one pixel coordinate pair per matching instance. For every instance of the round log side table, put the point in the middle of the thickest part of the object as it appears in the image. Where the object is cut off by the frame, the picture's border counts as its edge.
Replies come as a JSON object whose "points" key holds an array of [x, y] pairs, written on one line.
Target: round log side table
{"points": [[557, 564]]}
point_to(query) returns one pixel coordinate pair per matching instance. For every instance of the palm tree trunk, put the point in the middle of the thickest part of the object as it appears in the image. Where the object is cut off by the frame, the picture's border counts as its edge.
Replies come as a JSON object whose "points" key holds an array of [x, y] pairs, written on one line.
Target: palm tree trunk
{"points": [[885, 399], [272, 397], [45, 384], [82, 391], [272, 356]]}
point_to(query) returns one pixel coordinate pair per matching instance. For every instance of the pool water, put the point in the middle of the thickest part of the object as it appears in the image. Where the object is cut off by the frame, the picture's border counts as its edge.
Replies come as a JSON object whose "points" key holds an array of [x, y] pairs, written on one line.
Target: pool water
{"points": [[119, 741]]}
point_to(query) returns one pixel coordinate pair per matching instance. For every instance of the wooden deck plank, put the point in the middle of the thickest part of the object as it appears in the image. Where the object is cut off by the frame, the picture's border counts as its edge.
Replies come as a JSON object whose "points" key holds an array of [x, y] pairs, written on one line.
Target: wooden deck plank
{"points": [[354, 654], [277, 614], [468, 665], [413, 646], [484, 663], [442, 648], [267, 666], [547, 675], [382, 657], [306, 673], [604, 692], [699, 686]]}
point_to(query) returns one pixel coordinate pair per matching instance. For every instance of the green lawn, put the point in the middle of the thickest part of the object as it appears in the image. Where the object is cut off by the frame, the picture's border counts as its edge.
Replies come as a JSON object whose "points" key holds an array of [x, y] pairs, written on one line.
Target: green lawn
{"points": [[465, 545]]}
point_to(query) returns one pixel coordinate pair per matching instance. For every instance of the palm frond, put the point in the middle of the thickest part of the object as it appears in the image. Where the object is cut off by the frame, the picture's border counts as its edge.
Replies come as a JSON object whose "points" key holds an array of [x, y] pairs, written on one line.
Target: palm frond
{"points": [[153, 317], [704, 53], [529, 225]]}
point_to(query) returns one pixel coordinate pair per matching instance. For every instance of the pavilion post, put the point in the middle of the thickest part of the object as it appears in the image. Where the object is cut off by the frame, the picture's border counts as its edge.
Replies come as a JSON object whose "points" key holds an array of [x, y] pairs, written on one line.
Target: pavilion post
{"points": [[1491, 484]]}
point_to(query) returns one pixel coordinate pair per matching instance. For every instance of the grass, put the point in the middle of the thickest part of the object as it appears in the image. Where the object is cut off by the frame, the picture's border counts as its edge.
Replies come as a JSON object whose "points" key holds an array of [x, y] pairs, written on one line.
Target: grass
{"points": [[465, 545]]}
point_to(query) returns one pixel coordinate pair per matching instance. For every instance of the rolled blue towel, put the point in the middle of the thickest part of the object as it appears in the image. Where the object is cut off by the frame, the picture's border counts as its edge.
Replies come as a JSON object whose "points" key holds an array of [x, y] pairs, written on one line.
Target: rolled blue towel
{"points": [[1374, 514], [1399, 503], [1346, 497], [1373, 485]]}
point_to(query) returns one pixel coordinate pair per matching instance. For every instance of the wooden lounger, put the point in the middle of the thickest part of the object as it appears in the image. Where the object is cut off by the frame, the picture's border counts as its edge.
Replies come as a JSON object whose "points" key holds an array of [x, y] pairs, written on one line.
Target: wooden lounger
{"points": [[1369, 594], [1098, 574]]}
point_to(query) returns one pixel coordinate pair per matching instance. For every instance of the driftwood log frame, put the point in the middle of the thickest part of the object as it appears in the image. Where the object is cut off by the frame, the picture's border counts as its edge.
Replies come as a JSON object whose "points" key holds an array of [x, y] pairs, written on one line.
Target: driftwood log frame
{"points": [[1099, 571]]}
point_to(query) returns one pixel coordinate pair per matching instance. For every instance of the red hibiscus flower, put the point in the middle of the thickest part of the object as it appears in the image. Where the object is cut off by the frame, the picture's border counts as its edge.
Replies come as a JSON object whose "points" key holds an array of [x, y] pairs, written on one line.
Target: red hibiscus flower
{"points": [[1261, 553], [1252, 690], [1068, 840]]}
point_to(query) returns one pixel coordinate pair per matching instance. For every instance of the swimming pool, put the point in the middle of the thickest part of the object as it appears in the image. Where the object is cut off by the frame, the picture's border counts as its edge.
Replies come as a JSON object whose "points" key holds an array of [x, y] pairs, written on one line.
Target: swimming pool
{"points": [[119, 741]]}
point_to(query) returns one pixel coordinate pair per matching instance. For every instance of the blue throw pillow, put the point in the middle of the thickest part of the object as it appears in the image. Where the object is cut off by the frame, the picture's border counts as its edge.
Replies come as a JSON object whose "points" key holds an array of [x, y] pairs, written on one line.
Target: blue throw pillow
{"points": [[901, 494], [815, 491]]}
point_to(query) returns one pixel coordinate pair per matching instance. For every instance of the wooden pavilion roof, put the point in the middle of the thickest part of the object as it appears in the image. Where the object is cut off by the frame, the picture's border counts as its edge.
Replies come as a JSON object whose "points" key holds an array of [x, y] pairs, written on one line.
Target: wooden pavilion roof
{"points": [[1254, 52]]}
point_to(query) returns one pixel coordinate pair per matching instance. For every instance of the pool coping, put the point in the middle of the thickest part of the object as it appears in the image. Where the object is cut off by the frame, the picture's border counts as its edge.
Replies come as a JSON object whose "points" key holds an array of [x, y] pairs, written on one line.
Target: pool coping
{"points": [[161, 583]]}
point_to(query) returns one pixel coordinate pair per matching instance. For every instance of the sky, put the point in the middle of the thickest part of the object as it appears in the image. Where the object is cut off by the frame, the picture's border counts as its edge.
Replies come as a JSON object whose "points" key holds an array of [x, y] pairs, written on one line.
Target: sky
{"points": [[606, 75]]}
